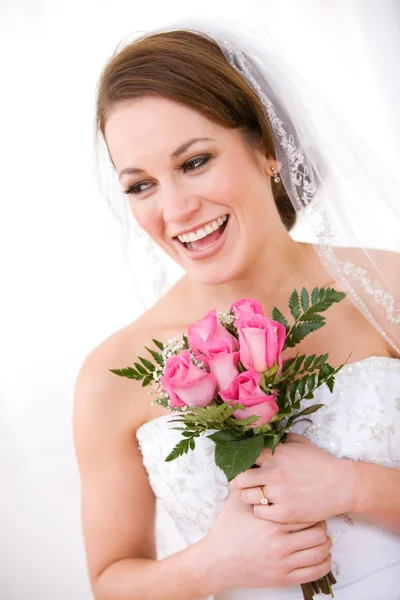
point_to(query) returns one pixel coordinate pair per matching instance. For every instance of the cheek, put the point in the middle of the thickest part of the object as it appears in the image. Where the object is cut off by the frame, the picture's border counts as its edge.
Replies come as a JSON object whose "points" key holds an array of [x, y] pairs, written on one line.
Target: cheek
{"points": [[147, 218]]}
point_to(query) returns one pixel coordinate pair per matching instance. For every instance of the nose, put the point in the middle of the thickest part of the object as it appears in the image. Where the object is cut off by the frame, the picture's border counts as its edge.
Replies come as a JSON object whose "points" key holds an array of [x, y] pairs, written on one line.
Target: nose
{"points": [[179, 204]]}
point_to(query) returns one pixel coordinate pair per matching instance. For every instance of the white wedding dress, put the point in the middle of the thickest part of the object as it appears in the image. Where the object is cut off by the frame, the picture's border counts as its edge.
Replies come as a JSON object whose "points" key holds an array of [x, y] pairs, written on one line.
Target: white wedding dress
{"points": [[360, 420]]}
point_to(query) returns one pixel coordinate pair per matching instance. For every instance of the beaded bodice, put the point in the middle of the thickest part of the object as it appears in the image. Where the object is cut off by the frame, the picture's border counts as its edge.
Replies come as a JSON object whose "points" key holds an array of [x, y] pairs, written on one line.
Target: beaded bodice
{"points": [[360, 421]]}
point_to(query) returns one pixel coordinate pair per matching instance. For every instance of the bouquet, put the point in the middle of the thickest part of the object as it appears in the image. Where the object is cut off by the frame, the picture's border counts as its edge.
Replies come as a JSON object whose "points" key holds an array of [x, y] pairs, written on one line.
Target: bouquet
{"points": [[227, 379]]}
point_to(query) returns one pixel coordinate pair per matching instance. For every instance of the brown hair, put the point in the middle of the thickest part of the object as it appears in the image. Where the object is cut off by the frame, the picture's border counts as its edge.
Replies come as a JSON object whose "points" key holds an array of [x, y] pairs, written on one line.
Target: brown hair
{"points": [[190, 68]]}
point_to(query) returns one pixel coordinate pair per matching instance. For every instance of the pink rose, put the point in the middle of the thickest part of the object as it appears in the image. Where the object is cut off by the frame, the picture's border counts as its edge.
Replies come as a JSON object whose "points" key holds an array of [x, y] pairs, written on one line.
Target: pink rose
{"points": [[205, 330], [187, 384], [246, 306], [261, 341], [222, 360], [245, 388]]}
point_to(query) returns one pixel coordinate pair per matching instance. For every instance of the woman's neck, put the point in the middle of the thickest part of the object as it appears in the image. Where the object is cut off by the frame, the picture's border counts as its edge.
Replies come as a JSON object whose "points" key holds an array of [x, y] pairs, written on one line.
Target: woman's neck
{"points": [[270, 281]]}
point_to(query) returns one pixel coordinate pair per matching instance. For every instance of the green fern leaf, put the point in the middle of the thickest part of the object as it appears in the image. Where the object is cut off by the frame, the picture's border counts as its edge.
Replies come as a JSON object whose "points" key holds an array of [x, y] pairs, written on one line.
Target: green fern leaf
{"points": [[294, 304], [278, 316], [128, 372], [314, 296], [149, 366], [156, 355], [305, 299], [181, 448], [159, 345]]}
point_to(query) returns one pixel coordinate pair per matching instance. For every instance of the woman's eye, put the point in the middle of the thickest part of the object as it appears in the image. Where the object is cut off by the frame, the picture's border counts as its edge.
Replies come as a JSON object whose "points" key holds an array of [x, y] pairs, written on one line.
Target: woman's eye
{"points": [[137, 188], [195, 163]]}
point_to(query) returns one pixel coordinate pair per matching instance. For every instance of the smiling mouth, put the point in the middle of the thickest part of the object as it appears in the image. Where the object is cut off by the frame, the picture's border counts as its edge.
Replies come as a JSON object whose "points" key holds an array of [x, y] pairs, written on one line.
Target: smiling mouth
{"points": [[205, 238]]}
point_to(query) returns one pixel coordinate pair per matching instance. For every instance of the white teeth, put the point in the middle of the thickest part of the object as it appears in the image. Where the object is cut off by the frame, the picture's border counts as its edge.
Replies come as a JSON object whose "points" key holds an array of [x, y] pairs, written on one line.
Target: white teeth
{"points": [[203, 231]]}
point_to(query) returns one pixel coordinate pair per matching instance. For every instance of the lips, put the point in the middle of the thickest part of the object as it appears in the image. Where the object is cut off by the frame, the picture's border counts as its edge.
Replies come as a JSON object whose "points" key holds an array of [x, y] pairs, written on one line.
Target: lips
{"points": [[207, 246]]}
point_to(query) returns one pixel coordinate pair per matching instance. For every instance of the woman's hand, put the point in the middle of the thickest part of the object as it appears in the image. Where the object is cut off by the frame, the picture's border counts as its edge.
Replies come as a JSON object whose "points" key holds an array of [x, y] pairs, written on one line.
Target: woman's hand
{"points": [[302, 482], [241, 551]]}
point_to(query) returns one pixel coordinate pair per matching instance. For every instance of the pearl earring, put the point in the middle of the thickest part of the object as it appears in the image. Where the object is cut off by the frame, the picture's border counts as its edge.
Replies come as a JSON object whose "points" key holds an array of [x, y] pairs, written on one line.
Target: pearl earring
{"points": [[276, 176]]}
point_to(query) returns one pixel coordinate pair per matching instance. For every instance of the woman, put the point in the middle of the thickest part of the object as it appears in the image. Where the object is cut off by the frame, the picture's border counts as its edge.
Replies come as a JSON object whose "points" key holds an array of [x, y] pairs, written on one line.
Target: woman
{"points": [[194, 152]]}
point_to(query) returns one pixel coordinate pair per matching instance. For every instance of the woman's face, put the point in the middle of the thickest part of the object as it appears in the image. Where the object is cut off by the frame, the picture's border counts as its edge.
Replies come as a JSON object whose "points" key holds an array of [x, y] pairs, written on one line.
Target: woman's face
{"points": [[195, 187]]}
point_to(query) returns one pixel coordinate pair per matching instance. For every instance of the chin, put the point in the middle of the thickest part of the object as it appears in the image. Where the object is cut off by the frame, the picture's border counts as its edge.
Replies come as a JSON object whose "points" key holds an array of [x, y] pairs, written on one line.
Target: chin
{"points": [[217, 274]]}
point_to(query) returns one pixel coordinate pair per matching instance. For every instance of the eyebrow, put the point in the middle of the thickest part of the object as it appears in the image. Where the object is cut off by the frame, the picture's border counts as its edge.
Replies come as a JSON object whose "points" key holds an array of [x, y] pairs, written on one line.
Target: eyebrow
{"points": [[175, 154]]}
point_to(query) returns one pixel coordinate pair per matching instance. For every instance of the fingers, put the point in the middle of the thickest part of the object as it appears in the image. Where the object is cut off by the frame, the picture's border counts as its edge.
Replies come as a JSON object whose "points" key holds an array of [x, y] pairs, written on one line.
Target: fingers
{"points": [[306, 574], [294, 527], [309, 537], [249, 478], [310, 556], [252, 495]]}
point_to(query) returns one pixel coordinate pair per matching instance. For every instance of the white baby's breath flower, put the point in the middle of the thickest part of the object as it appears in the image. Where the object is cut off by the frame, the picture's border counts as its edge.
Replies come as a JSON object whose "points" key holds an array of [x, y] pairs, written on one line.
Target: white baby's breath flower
{"points": [[226, 317]]}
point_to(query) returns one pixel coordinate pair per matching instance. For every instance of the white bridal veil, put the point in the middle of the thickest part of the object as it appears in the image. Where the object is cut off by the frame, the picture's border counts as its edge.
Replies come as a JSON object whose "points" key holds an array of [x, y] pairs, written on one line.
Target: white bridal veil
{"points": [[342, 189]]}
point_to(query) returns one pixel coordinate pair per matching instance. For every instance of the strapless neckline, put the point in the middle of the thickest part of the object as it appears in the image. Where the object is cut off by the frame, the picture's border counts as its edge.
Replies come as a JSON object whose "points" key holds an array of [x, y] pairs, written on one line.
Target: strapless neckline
{"points": [[360, 421], [373, 362]]}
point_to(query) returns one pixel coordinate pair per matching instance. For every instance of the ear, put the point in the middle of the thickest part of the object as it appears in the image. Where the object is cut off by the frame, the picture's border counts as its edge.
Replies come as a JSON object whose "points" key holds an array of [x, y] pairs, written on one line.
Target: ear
{"points": [[266, 162]]}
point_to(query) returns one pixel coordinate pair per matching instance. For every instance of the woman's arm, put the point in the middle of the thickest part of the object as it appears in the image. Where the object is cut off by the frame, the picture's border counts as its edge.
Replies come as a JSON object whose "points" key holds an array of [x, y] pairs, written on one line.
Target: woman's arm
{"points": [[181, 576], [376, 494], [304, 483], [118, 510], [118, 505]]}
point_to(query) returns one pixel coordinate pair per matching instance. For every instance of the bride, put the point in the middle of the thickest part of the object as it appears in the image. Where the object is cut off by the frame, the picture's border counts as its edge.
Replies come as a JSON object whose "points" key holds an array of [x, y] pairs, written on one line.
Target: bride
{"points": [[214, 148]]}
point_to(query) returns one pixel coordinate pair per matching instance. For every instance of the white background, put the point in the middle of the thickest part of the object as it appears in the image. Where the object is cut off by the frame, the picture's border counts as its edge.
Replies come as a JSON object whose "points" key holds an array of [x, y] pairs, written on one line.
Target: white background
{"points": [[65, 285]]}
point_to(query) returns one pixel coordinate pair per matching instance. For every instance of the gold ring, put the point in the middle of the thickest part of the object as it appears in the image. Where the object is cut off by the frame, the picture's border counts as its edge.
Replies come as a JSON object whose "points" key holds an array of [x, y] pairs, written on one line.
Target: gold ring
{"points": [[264, 499]]}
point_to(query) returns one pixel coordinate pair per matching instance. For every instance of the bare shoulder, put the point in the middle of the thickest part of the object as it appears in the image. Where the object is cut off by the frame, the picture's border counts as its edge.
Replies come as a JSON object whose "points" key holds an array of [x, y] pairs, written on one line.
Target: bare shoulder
{"points": [[98, 389], [389, 258], [118, 505]]}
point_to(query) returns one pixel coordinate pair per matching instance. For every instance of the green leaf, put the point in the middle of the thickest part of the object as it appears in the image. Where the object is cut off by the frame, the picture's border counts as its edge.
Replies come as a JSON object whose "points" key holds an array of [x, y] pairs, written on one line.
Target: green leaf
{"points": [[308, 362], [330, 383], [311, 316], [281, 399], [326, 371], [320, 360], [299, 361], [294, 304], [185, 341], [224, 435], [315, 296], [311, 382], [271, 442], [287, 370], [307, 411], [299, 331], [327, 297], [128, 372], [181, 448], [235, 457], [140, 368], [164, 402], [302, 386], [248, 421], [270, 372], [149, 366], [147, 380], [293, 389], [159, 345], [278, 316], [305, 299], [288, 364], [156, 355]]}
